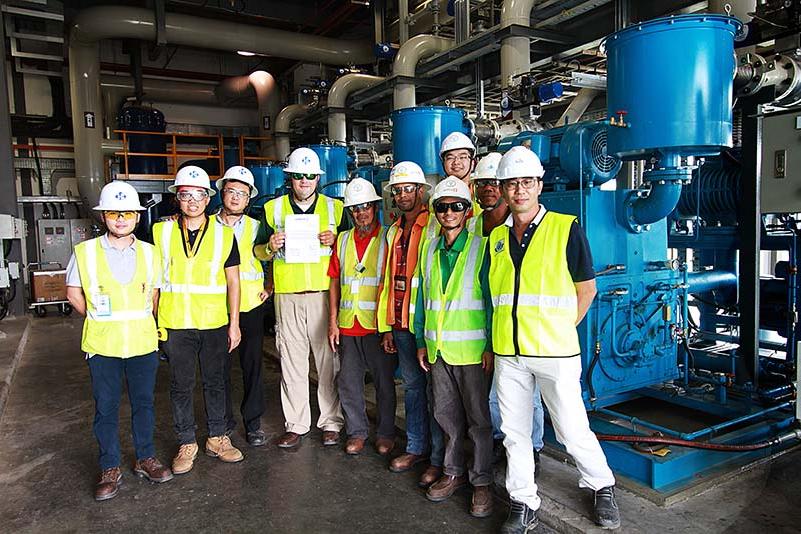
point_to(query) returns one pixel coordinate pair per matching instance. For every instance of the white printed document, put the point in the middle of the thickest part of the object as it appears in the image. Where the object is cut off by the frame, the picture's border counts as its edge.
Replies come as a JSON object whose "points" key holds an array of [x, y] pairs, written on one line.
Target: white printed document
{"points": [[302, 244]]}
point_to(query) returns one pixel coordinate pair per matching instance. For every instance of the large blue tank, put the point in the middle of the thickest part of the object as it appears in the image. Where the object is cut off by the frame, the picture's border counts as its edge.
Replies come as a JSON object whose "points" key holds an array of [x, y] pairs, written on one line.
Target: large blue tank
{"points": [[144, 119], [269, 180], [417, 134], [334, 161], [670, 80]]}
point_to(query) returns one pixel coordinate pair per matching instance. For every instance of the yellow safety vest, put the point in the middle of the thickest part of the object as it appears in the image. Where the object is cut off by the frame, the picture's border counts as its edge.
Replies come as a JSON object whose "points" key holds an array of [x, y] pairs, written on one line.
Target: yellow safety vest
{"points": [[359, 288], [119, 317], [251, 272], [455, 320], [475, 224], [194, 293], [539, 318], [299, 277]]}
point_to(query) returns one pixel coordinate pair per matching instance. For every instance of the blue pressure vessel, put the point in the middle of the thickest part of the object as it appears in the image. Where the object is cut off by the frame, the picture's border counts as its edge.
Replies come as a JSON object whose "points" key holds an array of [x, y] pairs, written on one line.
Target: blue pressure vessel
{"points": [[334, 161], [417, 134], [670, 81]]}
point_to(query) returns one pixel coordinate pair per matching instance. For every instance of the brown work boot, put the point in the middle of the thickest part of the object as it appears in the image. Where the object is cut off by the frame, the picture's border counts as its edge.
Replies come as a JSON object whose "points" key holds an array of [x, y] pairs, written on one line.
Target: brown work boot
{"points": [[481, 505], [330, 437], [222, 448], [185, 459], [406, 461], [445, 487], [384, 446], [354, 446], [153, 470], [109, 484], [289, 440], [429, 476]]}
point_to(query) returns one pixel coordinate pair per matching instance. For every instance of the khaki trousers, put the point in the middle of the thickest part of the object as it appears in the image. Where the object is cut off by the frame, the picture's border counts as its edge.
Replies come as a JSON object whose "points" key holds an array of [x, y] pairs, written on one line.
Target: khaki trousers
{"points": [[302, 327]]}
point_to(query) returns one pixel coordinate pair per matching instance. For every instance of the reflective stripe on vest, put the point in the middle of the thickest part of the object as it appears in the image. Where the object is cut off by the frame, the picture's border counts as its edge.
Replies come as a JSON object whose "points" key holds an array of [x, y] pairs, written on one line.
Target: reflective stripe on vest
{"points": [[251, 273], [545, 306], [361, 305]]}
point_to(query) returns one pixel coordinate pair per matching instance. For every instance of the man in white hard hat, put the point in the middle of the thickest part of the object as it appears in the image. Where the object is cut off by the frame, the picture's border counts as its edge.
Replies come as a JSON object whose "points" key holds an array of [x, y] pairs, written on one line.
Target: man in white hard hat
{"points": [[494, 212], [450, 327], [458, 155], [301, 302], [237, 187], [407, 184], [541, 290], [199, 312], [114, 281], [356, 268]]}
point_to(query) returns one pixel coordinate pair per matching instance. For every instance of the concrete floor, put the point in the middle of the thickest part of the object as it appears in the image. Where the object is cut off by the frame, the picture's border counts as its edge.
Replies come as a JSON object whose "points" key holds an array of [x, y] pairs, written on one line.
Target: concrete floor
{"points": [[48, 469]]}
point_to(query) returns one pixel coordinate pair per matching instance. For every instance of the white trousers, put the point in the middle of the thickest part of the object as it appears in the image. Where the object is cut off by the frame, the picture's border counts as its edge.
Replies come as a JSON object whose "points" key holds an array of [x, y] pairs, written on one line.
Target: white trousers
{"points": [[559, 381]]}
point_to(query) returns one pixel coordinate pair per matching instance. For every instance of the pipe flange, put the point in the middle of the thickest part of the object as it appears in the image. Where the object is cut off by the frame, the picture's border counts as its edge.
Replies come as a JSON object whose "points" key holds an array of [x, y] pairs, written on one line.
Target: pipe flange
{"points": [[756, 68], [789, 88]]}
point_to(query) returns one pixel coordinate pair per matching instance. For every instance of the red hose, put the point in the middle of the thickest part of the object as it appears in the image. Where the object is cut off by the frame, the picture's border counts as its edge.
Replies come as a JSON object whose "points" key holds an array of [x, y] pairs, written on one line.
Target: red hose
{"points": [[687, 443]]}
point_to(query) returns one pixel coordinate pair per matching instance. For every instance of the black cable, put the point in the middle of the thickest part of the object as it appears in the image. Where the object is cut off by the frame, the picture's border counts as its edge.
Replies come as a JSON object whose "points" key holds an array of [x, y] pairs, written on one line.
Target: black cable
{"points": [[38, 166]]}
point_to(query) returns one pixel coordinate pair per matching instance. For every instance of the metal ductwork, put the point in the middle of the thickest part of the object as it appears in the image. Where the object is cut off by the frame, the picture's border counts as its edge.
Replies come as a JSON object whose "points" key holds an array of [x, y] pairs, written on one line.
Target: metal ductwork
{"points": [[578, 106], [409, 55], [338, 95], [263, 84], [107, 22], [515, 51], [282, 126]]}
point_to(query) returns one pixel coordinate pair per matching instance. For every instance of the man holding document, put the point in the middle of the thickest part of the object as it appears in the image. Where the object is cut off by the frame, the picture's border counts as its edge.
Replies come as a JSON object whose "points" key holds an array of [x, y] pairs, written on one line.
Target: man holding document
{"points": [[301, 227]]}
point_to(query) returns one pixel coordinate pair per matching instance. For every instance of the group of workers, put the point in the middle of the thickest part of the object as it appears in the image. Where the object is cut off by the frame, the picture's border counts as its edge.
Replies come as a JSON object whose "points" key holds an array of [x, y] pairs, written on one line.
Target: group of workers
{"points": [[474, 292]]}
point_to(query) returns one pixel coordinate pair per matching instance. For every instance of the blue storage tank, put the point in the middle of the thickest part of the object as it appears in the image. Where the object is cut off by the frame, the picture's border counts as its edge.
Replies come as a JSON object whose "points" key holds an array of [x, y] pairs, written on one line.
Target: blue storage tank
{"points": [[144, 119], [417, 134], [670, 79], [269, 181], [334, 161]]}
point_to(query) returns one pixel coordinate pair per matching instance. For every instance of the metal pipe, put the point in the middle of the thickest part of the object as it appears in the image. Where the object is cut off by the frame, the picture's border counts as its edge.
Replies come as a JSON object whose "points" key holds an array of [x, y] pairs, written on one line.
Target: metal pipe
{"points": [[660, 201], [577, 106], [403, 21], [263, 84], [338, 95], [409, 55], [515, 51], [282, 127], [703, 281], [461, 20]]}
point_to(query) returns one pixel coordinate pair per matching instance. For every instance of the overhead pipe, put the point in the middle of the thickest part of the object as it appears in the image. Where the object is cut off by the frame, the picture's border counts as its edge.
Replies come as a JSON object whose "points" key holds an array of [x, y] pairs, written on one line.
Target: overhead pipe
{"points": [[409, 55], [703, 281], [282, 127], [515, 50], [578, 106], [338, 95], [263, 84], [94, 24]]}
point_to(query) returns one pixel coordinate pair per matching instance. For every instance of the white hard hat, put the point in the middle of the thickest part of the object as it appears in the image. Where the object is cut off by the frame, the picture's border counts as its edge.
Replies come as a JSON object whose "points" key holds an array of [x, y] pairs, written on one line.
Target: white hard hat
{"points": [[406, 172], [240, 174], [304, 161], [118, 196], [487, 168], [519, 162], [455, 141], [194, 176], [358, 191], [451, 187]]}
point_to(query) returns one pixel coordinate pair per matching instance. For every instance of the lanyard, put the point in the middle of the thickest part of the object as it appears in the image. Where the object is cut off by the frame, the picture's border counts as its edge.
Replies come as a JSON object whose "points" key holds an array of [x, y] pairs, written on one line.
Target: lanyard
{"points": [[191, 251]]}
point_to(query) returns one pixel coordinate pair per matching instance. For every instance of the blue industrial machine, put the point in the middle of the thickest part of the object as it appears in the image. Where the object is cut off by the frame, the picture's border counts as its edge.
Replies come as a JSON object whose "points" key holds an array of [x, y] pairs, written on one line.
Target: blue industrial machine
{"points": [[334, 159], [145, 119]]}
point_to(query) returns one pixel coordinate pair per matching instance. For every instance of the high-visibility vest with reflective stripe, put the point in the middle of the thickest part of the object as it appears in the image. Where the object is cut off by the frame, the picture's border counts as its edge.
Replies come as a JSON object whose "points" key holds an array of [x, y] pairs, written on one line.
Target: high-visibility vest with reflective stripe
{"points": [[544, 308], [299, 277], [455, 320], [362, 304], [475, 224], [127, 328], [194, 292], [251, 272]]}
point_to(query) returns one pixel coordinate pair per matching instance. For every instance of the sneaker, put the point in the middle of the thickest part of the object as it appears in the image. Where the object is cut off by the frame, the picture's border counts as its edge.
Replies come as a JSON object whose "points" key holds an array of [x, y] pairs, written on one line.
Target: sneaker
{"points": [[521, 519], [607, 515], [185, 459], [221, 447]]}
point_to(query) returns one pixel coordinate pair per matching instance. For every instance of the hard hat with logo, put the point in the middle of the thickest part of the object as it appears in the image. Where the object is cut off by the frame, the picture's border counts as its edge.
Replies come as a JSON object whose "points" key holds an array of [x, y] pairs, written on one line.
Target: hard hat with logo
{"points": [[455, 141], [358, 191], [118, 196], [487, 168], [451, 187], [406, 172], [191, 175], [519, 162], [304, 161], [240, 174]]}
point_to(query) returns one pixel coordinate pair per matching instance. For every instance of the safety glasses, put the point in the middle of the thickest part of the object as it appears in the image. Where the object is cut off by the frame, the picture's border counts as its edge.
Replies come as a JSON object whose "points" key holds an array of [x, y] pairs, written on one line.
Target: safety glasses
{"points": [[186, 196], [360, 207], [236, 193], [298, 177], [450, 158], [398, 189], [522, 183], [489, 182], [456, 207], [114, 215]]}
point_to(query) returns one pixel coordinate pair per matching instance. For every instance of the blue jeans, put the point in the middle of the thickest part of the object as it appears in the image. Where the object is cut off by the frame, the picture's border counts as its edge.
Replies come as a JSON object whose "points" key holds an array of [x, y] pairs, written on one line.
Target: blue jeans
{"points": [[423, 434], [140, 375], [537, 424]]}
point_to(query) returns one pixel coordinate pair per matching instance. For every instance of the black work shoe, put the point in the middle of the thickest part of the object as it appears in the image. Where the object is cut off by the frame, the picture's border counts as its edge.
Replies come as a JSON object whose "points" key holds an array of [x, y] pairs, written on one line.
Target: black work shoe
{"points": [[521, 519], [607, 515], [256, 438]]}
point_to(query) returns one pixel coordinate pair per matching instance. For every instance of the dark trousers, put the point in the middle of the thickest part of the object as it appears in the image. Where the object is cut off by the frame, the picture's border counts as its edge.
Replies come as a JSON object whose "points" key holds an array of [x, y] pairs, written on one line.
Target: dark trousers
{"points": [[461, 407], [210, 348], [107, 375], [357, 354], [251, 324]]}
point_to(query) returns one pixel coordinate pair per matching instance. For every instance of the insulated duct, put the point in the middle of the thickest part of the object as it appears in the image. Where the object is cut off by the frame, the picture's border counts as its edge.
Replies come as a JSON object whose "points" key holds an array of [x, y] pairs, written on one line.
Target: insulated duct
{"points": [[338, 95], [409, 55], [577, 107], [515, 51], [264, 85], [282, 125], [106, 22]]}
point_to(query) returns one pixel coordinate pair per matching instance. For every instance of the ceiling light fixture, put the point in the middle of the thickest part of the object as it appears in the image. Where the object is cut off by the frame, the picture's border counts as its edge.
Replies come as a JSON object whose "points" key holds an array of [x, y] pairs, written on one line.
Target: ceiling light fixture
{"points": [[245, 53]]}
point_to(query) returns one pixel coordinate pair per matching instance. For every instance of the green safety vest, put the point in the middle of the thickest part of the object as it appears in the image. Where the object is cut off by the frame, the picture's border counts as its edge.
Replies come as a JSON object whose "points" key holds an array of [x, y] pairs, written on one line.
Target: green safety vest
{"points": [[194, 293], [119, 317], [455, 321], [251, 272], [300, 277], [359, 290], [546, 303]]}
